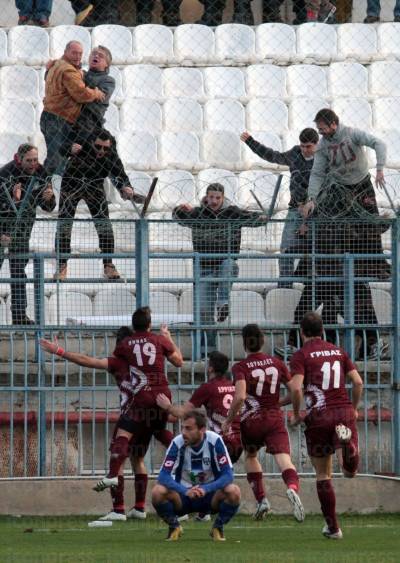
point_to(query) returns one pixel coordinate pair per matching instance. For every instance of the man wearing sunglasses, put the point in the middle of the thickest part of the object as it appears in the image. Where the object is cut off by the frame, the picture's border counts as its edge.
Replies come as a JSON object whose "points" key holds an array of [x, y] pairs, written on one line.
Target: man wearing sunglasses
{"points": [[88, 165]]}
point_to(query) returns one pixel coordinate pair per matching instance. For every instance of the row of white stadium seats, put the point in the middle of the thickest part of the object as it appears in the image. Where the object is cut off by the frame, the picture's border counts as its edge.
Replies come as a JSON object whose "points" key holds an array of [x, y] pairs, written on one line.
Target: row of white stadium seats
{"points": [[198, 44], [352, 79], [277, 307]]}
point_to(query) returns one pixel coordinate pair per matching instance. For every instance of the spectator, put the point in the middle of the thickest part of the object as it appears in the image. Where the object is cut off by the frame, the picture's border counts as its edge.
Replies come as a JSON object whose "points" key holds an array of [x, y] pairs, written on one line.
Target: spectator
{"points": [[23, 187], [344, 11], [65, 92], [271, 11], [213, 10], [86, 170], [320, 10], [299, 9], [242, 12], [95, 12], [300, 159], [170, 15], [374, 11], [36, 12], [216, 229]]}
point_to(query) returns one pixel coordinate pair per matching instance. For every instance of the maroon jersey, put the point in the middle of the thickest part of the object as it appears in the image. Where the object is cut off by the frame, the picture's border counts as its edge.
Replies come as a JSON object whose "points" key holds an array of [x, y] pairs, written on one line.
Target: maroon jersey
{"points": [[324, 367], [216, 396], [144, 353], [263, 375]]}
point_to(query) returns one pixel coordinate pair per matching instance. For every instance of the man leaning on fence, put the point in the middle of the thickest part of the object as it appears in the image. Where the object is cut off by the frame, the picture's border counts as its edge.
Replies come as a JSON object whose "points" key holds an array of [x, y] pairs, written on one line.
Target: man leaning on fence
{"points": [[216, 229], [23, 186]]}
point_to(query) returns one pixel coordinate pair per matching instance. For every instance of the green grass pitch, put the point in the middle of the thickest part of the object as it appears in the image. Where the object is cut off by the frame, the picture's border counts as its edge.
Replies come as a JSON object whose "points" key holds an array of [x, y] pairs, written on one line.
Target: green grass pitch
{"points": [[278, 539]]}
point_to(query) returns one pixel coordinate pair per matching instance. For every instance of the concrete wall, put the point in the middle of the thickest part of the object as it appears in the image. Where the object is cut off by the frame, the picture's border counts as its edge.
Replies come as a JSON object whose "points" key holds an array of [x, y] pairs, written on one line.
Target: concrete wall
{"points": [[59, 497]]}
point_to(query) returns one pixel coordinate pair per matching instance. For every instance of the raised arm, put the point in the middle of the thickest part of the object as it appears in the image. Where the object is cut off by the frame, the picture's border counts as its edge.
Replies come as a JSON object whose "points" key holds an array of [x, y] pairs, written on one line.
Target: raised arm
{"points": [[266, 153], [178, 411], [75, 357]]}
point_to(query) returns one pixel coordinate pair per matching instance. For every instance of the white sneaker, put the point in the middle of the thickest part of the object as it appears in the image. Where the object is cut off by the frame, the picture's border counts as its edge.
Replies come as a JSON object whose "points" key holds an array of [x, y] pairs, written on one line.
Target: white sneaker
{"points": [[332, 535], [183, 518], [105, 483], [204, 518], [138, 514], [114, 517], [263, 507], [285, 351], [298, 509], [343, 433]]}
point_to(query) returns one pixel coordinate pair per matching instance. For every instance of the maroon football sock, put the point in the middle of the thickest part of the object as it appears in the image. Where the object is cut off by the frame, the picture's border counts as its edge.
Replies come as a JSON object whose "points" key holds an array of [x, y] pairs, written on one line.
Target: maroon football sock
{"points": [[164, 436], [256, 483], [291, 479], [117, 496], [119, 453], [327, 498], [140, 490], [351, 458]]}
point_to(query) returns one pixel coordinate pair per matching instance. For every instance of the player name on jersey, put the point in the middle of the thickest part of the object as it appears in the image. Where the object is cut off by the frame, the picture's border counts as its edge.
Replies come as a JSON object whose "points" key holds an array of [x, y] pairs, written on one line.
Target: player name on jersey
{"points": [[324, 353], [260, 363]]}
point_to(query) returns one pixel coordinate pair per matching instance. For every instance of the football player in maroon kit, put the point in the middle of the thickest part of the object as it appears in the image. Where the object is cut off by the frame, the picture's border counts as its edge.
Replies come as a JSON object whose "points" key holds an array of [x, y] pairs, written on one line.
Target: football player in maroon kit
{"points": [[216, 396], [257, 384], [143, 354], [322, 368]]}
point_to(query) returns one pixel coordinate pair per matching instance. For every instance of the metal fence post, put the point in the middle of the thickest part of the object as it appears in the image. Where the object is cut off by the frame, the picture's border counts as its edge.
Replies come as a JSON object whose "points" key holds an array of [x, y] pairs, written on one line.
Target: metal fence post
{"points": [[349, 303], [142, 262], [196, 307], [396, 342], [38, 284]]}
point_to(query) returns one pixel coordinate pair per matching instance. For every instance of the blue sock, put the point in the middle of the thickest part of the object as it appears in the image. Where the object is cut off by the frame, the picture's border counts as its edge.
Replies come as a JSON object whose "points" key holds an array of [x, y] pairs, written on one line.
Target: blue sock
{"points": [[166, 511], [226, 513]]}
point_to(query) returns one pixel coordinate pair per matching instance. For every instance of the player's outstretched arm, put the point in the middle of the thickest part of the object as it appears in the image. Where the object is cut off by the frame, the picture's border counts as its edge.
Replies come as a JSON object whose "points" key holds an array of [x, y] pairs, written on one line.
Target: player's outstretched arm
{"points": [[295, 385], [75, 357], [357, 390], [175, 357], [178, 411]]}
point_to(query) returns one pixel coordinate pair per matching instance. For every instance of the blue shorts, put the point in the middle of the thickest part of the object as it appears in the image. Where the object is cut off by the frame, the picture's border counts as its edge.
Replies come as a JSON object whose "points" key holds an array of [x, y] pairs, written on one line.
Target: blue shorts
{"points": [[202, 504]]}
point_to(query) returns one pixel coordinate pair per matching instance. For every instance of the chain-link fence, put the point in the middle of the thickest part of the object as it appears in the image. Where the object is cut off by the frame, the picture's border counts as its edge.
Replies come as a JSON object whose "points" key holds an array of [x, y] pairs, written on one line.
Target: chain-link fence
{"points": [[224, 117]]}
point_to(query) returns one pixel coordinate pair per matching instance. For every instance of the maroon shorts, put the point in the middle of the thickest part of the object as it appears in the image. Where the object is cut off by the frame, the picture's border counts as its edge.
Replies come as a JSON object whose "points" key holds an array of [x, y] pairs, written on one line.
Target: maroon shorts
{"points": [[234, 446], [320, 431], [267, 429]]}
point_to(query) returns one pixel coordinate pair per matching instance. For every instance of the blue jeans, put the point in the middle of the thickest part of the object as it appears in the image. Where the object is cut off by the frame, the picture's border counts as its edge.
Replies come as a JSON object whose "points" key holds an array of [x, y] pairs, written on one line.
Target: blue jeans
{"points": [[41, 9], [290, 242], [55, 130], [374, 8], [214, 293]]}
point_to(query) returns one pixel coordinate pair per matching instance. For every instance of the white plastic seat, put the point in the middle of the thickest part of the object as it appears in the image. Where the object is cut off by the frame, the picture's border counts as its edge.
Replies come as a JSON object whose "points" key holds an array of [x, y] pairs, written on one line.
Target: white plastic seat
{"points": [[388, 40], [17, 117], [168, 236], [112, 119], [163, 303], [62, 13], [387, 113], [182, 114], [304, 79], [114, 301], [179, 150], [266, 114], [30, 309], [19, 83], [141, 115], [357, 41], [221, 149], [263, 185], [348, 79], [194, 44], [28, 44], [280, 305], [224, 115], [260, 269], [251, 159], [62, 34], [217, 175], [224, 82], [234, 43], [354, 112], [185, 304], [179, 82], [117, 38], [118, 96], [266, 79], [245, 307], [138, 150], [127, 269], [316, 42], [142, 81], [153, 44], [4, 313], [124, 236], [275, 42], [384, 78], [173, 188], [3, 47], [9, 143], [392, 140], [302, 111], [382, 301], [68, 304], [167, 269], [84, 237]]}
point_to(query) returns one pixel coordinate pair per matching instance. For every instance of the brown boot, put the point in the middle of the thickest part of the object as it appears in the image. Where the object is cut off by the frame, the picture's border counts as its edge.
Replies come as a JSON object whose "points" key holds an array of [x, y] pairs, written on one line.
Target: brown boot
{"points": [[111, 272], [61, 272]]}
